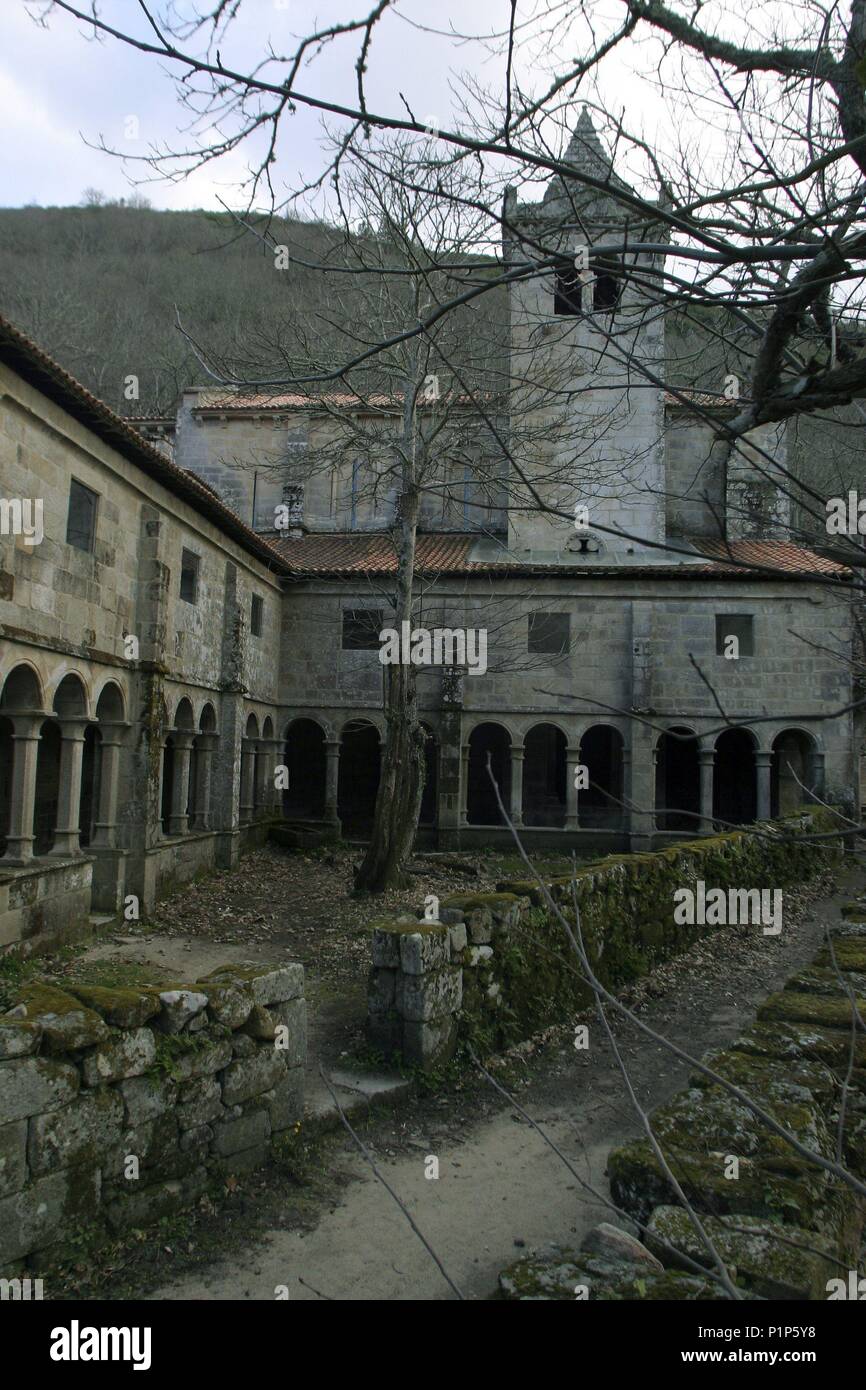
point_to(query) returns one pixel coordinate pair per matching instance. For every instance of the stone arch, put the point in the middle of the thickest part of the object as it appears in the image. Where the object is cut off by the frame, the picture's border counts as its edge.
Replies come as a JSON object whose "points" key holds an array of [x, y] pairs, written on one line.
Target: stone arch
{"points": [[601, 752], [110, 705], [544, 775], [358, 781], [678, 780], [306, 758], [792, 770], [183, 715], [430, 795], [207, 719], [735, 778], [70, 697], [22, 689], [482, 807]]}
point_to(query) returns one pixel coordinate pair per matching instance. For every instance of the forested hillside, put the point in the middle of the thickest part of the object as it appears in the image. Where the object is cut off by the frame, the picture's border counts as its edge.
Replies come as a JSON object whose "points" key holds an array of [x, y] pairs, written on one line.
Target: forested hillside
{"points": [[101, 289]]}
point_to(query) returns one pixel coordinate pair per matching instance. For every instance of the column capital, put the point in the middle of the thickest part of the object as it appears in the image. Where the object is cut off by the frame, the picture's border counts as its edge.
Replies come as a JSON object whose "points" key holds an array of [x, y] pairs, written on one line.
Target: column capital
{"points": [[183, 738], [74, 726], [26, 723]]}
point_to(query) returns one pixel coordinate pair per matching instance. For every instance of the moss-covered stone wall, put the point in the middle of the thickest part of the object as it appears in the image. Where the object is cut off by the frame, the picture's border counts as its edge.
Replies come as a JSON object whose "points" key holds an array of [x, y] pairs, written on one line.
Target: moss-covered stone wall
{"points": [[119, 1106], [497, 967]]}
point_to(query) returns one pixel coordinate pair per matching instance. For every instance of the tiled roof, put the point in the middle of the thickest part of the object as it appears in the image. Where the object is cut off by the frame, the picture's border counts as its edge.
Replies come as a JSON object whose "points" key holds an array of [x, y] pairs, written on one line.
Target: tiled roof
{"points": [[42, 372], [375, 553], [295, 400], [356, 553], [778, 555]]}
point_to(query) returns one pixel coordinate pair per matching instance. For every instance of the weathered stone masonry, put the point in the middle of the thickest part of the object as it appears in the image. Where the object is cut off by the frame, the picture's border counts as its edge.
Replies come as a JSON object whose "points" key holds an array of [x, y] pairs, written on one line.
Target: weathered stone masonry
{"points": [[119, 1106]]}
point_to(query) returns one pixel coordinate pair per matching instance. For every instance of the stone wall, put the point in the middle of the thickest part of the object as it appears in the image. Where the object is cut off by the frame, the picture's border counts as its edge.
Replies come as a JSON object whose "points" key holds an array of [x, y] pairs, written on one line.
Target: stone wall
{"points": [[119, 1106], [494, 968], [784, 1227]]}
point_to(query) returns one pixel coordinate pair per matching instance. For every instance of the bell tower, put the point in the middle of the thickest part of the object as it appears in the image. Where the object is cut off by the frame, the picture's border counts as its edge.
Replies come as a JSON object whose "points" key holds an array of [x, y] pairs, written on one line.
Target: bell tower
{"points": [[586, 423]]}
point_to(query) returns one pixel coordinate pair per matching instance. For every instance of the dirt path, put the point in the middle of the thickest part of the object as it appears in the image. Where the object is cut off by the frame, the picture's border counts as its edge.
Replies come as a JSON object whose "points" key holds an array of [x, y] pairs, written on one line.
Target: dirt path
{"points": [[499, 1187]]}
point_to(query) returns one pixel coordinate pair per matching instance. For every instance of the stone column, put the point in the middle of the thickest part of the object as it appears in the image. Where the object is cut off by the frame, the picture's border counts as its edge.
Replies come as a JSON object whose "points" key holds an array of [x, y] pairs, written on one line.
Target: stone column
{"points": [[179, 820], [516, 808], [66, 834], [105, 825], [26, 727], [572, 795], [625, 809], [762, 767], [332, 780], [639, 792], [815, 772], [270, 795], [464, 783], [706, 765], [205, 745], [248, 754]]}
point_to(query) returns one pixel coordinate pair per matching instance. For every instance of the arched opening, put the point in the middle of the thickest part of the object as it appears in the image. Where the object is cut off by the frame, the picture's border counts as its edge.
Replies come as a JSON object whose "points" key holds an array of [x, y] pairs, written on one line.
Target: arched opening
{"points": [[430, 794], [482, 807], [678, 781], [307, 763], [358, 782], [735, 783], [167, 784], [544, 776], [791, 772], [6, 755], [47, 787], [599, 805], [21, 690]]}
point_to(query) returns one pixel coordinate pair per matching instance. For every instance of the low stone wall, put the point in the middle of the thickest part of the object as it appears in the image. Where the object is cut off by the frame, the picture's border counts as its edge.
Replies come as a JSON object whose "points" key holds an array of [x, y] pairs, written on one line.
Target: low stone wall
{"points": [[118, 1106], [494, 968], [785, 1228]]}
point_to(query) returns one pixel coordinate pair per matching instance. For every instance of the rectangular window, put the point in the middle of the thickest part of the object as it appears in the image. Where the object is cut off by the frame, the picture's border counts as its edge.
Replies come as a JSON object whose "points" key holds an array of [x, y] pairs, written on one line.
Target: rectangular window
{"points": [[189, 565], [257, 609], [734, 635], [549, 634], [81, 521], [361, 628]]}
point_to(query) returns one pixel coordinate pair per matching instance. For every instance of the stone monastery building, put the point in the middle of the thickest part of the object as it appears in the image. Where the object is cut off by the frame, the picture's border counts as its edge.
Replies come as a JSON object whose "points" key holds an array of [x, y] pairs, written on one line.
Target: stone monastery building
{"points": [[160, 655]]}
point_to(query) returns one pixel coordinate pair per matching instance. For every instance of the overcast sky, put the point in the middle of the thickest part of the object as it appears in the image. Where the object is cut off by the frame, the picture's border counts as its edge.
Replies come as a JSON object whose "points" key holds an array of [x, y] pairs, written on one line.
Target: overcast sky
{"points": [[60, 90]]}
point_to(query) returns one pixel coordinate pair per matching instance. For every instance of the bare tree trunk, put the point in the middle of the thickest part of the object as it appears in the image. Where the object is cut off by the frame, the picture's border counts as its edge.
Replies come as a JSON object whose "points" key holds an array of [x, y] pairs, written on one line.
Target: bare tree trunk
{"points": [[401, 780]]}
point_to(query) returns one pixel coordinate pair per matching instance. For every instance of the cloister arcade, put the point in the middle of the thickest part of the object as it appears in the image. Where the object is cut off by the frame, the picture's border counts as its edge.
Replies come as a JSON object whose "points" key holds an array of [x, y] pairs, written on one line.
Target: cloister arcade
{"points": [[60, 753]]}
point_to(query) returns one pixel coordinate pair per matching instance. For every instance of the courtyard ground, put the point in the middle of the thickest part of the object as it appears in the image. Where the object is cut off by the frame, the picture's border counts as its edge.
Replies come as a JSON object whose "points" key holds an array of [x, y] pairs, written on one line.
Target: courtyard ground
{"points": [[317, 1221]]}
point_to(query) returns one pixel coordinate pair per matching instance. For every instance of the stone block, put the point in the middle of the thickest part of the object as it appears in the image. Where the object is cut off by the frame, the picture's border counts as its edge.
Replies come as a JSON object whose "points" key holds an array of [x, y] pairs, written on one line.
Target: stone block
{"points": [[250, 1076], [291, 1045], [427, 1044], [13, 1157], [386, 949], [79, 1133], [267, 987], [34, 1085], [285, 1103], [121, 1008], [381, 990], [435, 995], [229, 1004], [424, 950], [178, 1008], [146, 1097], [200, 1102], [47, 1210], [66, 1023], [128, 1054], [261, 1023], [233, 1136], [457, 939], [18, 1038], [203, 1061], [130, 1205]]}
